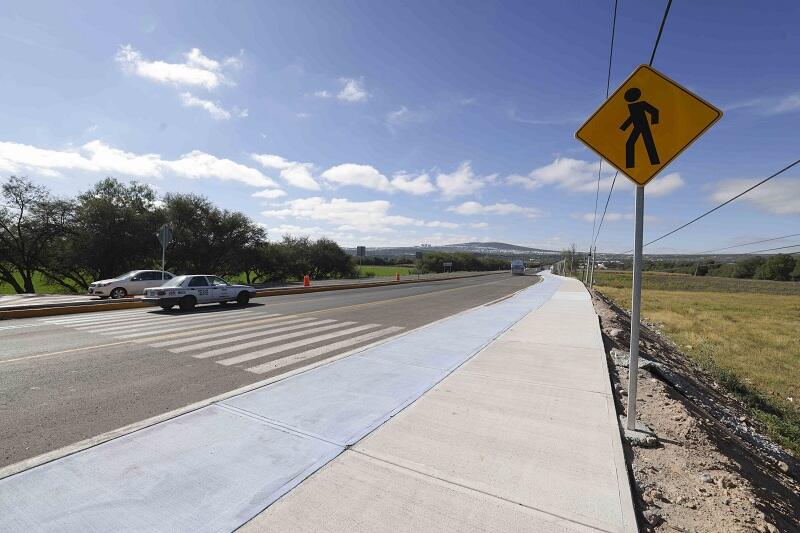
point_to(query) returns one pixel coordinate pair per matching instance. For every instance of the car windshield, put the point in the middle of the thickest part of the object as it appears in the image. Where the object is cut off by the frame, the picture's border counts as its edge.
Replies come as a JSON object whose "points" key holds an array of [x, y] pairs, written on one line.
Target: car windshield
{"points": [[126, 274], [174, 282]]}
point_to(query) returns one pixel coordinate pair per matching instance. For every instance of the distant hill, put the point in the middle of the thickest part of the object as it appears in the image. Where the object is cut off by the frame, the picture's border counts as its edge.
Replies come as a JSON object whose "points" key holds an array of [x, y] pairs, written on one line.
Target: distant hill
{"points": [[481, 248]]}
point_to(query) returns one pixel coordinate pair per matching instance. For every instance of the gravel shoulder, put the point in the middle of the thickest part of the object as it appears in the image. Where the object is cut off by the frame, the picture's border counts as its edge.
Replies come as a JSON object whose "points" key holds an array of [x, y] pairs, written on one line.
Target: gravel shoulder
{"points": [[713, 468]]}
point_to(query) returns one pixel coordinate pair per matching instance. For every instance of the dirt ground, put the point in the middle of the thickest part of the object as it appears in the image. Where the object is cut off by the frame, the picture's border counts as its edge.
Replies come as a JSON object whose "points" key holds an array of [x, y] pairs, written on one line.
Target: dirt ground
{"points": [[713, 470]]}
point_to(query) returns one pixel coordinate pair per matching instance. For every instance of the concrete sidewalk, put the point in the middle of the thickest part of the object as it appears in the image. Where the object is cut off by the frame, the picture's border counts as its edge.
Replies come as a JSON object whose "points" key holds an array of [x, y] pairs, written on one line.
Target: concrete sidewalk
{"points": [[522, 437], [417, 433]]}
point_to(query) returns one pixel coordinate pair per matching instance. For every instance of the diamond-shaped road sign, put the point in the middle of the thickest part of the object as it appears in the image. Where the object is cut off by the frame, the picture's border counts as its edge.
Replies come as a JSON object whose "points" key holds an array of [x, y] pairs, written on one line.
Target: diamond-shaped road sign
{"points": [[646, 123], [164, 235]]}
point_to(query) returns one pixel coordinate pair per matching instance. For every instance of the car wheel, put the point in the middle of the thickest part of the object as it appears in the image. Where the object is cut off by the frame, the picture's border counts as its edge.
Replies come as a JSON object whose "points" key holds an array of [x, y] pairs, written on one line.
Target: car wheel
{"points": [[187, 303], [166, 307], [118, 293], [242, 299]]}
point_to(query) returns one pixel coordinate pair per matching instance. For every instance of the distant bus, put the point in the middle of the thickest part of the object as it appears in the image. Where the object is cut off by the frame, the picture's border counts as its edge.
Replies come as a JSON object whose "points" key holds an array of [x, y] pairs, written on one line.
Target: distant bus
{"points": [[517, 267]]}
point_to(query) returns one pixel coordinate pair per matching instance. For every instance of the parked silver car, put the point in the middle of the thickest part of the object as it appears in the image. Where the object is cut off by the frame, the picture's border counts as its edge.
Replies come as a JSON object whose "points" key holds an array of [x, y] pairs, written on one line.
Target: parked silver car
{"points": [[129, 284]]}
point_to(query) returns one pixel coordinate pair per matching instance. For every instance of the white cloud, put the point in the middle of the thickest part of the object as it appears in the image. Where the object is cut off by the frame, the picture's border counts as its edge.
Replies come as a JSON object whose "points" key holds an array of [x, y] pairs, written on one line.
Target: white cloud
{"points": [[475, 208], [564, 173], [780, 196], [269, 193], [462, 181], [98, 157], [663, 185], [576, 175], [769, 105], [198, 70], [216, 112], [348, 216], [417, 185], [295, 173], [323, 94], [787, 104], [361, 175], [352, 90], [479, 225], [610, 217]]}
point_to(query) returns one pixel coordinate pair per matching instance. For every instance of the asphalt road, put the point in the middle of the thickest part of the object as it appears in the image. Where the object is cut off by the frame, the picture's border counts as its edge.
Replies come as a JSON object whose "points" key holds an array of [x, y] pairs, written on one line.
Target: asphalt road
{"points": [[64, 379]]}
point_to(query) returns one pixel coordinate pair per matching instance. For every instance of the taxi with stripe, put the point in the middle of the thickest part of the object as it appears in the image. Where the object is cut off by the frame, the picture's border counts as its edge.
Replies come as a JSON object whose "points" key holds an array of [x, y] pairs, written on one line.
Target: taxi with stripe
{"points": [[190, 290]]}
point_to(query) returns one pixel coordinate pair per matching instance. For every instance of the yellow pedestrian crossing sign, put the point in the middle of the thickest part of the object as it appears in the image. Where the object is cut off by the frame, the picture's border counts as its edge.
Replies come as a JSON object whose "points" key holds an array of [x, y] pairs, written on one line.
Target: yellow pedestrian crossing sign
{"points": [[646, 123]]}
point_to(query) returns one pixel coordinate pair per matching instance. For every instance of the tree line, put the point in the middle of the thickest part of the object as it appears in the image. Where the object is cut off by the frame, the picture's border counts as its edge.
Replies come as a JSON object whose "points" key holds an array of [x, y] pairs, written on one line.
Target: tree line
{"points": [[778, 267], [111, 229]]}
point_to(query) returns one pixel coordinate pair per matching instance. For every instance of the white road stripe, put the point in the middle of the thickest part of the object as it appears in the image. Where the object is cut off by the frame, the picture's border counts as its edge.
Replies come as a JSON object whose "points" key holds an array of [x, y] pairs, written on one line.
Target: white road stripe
{"points": [[263, 332], [159, 321], [322, 350], [101, 315], [292, 345], [21, 326], [271, 340], [189, 337], [194, 325], [119, 322]]}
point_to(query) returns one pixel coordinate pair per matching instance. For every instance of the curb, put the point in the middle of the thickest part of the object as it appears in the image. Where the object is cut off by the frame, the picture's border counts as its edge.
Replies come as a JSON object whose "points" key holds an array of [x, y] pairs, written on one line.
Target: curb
{"points": [[52, 310]]}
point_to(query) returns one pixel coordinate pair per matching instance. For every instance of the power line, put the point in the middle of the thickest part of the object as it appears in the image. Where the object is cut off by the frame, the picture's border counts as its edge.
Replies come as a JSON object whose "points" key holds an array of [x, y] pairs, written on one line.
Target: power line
{"points": [[602, 218], [660, 31], [773, 249], [746, 244], [608, 87], [723, 204], [652, 58]]}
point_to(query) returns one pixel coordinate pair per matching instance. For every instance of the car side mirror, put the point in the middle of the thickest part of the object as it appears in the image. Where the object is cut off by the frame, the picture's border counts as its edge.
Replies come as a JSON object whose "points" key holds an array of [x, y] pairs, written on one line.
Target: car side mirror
{"points": [[136, 278]]}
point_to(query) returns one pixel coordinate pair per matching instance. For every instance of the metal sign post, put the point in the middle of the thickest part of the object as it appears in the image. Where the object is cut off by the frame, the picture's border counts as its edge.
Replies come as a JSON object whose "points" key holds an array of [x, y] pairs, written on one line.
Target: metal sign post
{"points": [[640, 129], [164, 237], [636, 301]]}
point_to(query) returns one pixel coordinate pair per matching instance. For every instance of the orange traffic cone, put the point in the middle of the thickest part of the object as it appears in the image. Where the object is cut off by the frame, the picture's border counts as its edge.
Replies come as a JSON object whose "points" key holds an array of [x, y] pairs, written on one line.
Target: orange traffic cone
{"points": [[306, 281], [397, 276]]}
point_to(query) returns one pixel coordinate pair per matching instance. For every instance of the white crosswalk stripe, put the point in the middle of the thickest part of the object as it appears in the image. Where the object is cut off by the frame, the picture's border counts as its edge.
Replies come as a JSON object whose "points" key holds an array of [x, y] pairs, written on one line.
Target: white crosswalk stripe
{"points": [[270, 340], [159, 321], [256, 325], [296, 344], [322, 350], [261, 333]]}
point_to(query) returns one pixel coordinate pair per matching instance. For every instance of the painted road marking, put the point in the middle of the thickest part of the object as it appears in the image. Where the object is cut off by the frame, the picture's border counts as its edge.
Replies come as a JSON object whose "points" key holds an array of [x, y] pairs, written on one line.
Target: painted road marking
{"points": [[264, 331], [296, 344], [271, 340], [322, 350]]}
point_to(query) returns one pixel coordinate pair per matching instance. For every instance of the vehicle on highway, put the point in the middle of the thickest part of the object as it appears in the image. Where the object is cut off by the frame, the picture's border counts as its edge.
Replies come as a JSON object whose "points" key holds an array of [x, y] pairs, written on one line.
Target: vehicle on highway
{"points": [[128, 284], [190, 290], [517, 267]]}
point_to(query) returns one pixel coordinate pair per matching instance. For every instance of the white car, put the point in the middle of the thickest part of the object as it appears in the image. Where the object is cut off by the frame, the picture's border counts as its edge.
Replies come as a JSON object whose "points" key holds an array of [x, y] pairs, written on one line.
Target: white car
{"points": [[128, 284], [188, 291]]}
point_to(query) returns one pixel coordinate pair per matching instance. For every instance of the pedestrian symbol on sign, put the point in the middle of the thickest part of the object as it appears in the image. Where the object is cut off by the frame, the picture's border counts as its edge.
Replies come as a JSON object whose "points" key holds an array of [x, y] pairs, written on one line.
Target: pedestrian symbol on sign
{"points": [[638, 111]]}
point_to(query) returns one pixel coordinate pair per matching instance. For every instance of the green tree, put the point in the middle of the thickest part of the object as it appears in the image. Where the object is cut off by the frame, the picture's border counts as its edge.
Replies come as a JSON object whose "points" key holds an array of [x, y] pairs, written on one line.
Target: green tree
{"points": [[778, 268], [207, 239], [746, 268], [113, 231], [31, 223]]}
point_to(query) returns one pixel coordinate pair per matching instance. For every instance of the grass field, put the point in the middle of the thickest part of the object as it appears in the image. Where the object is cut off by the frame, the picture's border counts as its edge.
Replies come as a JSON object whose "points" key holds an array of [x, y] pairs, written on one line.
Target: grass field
{"points": [[39, 283], [382, 271], [745, 332]]}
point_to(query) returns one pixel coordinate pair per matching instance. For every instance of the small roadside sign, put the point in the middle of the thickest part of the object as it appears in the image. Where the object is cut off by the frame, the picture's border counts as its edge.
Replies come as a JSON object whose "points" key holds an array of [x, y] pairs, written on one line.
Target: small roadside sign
{"points": [[164, 235], [361, 251], [646, 123]]}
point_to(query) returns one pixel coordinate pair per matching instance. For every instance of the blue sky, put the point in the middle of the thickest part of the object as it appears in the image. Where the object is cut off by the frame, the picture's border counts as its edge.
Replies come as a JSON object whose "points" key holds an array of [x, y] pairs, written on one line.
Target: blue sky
{"points": [[395, 123]]}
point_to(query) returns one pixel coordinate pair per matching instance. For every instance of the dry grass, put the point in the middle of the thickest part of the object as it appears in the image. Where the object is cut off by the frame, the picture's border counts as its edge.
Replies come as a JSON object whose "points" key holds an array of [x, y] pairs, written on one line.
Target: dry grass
{"points": [[749, 340]]}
